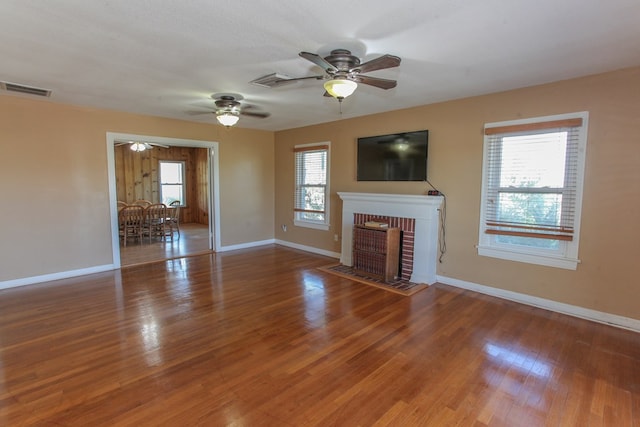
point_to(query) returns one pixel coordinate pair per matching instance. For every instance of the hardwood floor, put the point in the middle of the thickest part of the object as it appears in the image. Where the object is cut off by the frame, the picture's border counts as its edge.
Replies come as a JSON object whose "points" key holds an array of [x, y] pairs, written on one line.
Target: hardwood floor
{"points": [[261, 337], [193, 240]]}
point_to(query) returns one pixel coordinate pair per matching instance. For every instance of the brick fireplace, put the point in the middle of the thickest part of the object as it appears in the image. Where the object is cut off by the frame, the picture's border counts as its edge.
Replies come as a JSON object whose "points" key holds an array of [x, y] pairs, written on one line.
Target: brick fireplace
{"points": [[416, 215]]}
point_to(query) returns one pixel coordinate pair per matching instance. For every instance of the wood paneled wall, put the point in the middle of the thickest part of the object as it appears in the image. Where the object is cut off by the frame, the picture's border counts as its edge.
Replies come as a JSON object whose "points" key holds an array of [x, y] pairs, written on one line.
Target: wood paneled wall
{"points": [[137, 177], [200, 211]]}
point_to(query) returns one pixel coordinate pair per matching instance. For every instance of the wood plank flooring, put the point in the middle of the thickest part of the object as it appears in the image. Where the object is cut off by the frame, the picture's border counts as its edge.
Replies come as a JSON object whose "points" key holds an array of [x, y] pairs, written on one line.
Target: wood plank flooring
{"points": [[193, 240], [262, 337]]}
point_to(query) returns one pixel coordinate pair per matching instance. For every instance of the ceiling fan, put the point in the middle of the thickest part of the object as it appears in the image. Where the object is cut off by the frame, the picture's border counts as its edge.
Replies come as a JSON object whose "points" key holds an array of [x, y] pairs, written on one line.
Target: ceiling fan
{"points": [[140, 145], [229, 109], [343, 72]]}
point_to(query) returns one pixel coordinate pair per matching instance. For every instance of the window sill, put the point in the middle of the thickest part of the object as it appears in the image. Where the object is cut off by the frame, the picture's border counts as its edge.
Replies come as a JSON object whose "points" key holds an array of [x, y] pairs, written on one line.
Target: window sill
{"points": [[314, 225], [549, 261]]}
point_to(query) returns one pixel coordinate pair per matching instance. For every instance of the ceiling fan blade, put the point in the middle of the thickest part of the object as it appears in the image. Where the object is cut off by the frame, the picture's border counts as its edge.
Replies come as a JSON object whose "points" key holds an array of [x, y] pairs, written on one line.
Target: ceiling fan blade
{"points": [[275, 80], [318, 60], [122, 142], [376, 81], [155, 144], [295, 79], [385, 61], [199, 113], [260, 115]]}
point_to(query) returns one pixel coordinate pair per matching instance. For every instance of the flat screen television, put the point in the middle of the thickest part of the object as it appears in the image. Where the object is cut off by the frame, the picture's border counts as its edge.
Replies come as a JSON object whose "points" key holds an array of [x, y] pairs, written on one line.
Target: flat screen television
{"points": [[394, 157]]}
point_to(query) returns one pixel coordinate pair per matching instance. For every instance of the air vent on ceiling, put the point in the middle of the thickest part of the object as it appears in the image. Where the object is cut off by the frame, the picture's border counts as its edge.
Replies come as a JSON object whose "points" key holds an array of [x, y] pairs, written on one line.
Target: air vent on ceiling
{"points": [[29, 90]]}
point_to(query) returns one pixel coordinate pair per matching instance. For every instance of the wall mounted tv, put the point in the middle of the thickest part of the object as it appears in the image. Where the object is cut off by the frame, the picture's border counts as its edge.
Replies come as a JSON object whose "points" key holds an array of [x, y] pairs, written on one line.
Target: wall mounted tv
{"points": [[394, 157]]}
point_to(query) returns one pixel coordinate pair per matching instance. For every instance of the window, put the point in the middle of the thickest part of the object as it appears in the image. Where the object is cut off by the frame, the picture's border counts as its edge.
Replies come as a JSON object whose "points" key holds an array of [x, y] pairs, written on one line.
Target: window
{"points": [[532, 189], [311, 205], [172, 182]]}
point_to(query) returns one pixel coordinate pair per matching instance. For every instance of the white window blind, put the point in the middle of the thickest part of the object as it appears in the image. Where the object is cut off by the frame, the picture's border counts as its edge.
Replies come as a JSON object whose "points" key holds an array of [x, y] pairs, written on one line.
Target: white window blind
{"points": [[172, 182], [311, 183], [531, 179]]}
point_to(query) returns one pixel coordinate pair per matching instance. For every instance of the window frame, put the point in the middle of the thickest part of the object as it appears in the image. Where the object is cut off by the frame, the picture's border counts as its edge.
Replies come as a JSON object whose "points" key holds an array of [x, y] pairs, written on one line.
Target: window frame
{"points": [[297, 216], [183, 184], [566, 254]]}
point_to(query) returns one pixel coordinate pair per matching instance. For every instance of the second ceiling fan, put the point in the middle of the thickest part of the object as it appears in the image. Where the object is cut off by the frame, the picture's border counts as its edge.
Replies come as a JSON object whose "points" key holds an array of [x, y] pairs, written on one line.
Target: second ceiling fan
{"points": [[139, 145], [229, 109], [343, 72]]}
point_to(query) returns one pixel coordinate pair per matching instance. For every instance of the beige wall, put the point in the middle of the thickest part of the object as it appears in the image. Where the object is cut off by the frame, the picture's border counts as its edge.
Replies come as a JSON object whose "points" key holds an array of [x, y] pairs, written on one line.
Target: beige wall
{"points": [[53, 182], [606, 280]]}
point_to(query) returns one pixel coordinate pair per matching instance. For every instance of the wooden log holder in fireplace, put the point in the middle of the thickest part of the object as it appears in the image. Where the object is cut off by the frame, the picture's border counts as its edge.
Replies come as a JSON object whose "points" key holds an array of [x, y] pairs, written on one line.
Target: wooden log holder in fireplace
{"points": [[376, 251]]}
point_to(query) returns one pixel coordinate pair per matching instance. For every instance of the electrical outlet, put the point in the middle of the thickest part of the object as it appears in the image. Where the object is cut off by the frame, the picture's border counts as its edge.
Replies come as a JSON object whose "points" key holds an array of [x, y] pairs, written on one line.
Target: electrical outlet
{"points": [[284, 227], [336, 237]]}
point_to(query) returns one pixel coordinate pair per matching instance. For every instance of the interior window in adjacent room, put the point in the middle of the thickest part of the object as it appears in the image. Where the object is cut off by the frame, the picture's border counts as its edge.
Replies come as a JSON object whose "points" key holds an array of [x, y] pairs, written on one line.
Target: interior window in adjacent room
{"points": [[172, 182], [532, 181], [311, 199]]}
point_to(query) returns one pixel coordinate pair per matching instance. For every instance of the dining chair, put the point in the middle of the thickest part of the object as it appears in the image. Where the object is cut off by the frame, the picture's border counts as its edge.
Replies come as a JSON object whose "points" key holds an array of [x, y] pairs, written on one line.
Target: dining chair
{"points": [[173, 218], [121, 204], [143, 203], [155, 223], [130, 220]]}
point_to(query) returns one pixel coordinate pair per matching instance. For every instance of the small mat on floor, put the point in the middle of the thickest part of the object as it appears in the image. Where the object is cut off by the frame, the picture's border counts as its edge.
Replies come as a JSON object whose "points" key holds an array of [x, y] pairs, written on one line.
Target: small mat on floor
{"points": [[402, 287]]}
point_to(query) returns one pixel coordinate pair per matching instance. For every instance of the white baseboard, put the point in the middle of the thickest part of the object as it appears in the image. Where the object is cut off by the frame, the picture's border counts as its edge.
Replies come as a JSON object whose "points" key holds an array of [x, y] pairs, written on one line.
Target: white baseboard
{"points": [[309, 249], [108, 267], [55, 276], [571, 310], [246, 245]]}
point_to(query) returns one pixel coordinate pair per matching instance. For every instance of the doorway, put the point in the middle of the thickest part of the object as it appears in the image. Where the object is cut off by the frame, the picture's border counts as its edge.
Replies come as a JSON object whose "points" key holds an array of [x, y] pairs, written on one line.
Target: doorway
{"points": [[193, 238]]}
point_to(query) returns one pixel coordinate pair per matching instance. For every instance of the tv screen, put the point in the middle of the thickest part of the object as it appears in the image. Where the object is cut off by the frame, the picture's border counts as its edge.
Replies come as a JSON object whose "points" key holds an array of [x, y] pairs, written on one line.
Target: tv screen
{"points": [[394, 157]]}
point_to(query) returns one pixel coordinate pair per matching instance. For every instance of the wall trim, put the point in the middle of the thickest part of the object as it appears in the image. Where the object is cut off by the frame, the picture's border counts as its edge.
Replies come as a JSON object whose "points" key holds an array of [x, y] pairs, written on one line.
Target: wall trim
{"points": [[246, 245], [308, 249], [558, 307], [7, 284], [55, 276]]}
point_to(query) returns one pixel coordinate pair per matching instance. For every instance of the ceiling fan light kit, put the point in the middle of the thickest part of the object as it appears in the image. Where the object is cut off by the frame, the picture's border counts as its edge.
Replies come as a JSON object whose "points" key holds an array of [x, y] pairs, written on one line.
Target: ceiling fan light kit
{"points": [[340, 88], [138, 147], [227, 118]]}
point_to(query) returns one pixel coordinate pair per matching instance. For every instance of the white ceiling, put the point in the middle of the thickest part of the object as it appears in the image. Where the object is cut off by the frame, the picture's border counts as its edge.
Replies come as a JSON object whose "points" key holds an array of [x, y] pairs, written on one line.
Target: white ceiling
{"points": [[166, 57]]}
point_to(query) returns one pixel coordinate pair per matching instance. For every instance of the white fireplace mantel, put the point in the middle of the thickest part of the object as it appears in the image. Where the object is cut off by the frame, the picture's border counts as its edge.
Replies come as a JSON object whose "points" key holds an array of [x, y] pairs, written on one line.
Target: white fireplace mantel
{"points": [[424, 209]]}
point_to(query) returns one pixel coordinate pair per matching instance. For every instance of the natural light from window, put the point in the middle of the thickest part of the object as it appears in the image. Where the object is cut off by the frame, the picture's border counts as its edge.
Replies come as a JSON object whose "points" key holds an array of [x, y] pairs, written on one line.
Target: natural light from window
{"points": [[539, 166], [311, 186], [532, 162], [172, 182], [533, 171]]}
